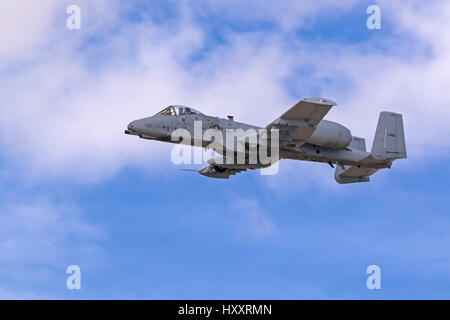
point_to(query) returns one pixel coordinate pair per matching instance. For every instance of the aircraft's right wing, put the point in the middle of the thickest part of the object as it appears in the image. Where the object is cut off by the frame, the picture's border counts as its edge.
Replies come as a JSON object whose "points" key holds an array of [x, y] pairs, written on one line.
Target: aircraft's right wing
{"points": [[300, 121]]}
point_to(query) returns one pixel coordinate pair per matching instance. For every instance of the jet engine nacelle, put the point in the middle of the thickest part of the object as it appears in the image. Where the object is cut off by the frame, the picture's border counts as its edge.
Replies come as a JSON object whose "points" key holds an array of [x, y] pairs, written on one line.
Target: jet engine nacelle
{"points": [[330, 134]]}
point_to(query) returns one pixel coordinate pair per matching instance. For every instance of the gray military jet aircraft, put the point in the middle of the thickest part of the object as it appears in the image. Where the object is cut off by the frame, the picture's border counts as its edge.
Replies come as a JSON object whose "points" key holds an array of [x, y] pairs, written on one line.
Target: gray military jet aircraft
{"points": [[303, 135]]}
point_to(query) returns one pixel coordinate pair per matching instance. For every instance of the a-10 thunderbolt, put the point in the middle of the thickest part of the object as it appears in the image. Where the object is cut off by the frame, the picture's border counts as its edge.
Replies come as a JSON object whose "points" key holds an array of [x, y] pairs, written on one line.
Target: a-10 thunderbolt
{"points": [[302, 134]]}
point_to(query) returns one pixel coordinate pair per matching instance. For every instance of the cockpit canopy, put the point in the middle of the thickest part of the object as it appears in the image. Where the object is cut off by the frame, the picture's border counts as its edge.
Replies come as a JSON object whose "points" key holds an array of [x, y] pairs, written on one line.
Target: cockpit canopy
{"points": [[177, 111]]}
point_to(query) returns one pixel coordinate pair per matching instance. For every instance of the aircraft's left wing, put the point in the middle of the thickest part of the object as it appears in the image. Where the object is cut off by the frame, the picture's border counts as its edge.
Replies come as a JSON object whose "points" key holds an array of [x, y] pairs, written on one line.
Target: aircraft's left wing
{"points": [[222, 170], [300, 121], [219, 172]]}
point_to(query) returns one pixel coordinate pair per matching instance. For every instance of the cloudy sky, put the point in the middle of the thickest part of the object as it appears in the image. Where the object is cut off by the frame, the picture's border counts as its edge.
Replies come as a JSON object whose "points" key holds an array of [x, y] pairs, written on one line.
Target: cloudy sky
{"points": [[76, 190]]}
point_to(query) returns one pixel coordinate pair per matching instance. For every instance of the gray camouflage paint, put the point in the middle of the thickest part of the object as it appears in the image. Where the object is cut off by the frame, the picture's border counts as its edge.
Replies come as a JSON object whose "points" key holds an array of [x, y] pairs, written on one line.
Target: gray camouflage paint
{"points": [[304, 135]]}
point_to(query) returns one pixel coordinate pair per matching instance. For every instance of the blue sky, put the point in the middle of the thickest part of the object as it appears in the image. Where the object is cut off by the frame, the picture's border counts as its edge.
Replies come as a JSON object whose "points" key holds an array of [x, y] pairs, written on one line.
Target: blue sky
{"points": [[76, 190]]}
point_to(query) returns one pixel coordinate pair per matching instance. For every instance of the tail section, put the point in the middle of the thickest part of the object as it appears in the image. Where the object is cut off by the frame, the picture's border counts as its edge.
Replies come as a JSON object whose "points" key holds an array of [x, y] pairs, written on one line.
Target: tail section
{"points": [[389, 141], [388, 145]]}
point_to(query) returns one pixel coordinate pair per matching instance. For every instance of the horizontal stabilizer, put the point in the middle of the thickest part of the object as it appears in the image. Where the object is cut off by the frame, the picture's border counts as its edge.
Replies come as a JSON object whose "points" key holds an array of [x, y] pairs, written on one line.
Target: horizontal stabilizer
{"points": [[358, 144], [351, 174]]}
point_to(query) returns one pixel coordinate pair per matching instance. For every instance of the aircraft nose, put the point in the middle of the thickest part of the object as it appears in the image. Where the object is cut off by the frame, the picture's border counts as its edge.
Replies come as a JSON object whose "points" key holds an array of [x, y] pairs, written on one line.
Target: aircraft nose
{"points": [[135, 125], [131, 125]]}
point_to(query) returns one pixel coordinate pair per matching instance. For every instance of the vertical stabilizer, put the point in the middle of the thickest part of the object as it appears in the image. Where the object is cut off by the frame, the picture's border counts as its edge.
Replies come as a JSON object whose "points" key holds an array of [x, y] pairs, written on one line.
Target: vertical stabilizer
{"points": [[389, 141]]}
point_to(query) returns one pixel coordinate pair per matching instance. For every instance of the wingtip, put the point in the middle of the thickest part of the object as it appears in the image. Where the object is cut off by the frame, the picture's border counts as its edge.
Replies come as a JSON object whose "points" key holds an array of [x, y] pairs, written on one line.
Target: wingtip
{"points": [[320, 101]]}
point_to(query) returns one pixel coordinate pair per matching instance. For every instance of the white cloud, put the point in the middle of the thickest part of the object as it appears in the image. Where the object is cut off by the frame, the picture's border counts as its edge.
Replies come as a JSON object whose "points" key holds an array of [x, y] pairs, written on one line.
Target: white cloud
{"points": [[25, 25], [408, 75], [71, 119]]}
